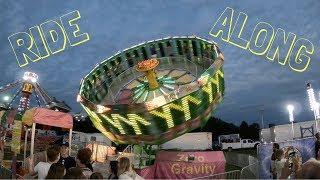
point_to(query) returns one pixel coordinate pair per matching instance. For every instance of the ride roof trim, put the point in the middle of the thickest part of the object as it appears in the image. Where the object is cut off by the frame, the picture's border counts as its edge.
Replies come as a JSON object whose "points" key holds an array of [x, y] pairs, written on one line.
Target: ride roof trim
{"points": [[146, 42]]}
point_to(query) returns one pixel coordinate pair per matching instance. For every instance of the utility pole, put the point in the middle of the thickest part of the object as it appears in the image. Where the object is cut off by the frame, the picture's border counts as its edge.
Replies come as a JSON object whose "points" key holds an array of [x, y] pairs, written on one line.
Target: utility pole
{"points": [[262, 123], [261, 114]]}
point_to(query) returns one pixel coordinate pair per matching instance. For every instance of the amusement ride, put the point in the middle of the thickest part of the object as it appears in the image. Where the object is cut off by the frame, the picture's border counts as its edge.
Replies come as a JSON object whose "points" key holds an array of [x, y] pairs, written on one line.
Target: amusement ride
{"points": [[154, 91]]}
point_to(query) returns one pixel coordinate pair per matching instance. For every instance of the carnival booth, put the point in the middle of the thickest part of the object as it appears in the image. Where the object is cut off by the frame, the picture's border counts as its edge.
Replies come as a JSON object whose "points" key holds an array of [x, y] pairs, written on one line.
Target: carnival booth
{"points": [[31, 118], [47, 117]]}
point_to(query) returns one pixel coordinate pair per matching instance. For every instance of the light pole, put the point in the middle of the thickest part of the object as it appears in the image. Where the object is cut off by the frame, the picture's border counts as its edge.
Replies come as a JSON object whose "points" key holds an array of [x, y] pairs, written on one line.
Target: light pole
{"points": [[262, 123], [314, 105], [290, 109]]}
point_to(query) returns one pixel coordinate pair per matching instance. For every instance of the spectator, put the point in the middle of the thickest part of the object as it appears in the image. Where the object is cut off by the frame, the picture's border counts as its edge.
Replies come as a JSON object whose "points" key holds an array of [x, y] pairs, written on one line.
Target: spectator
{"points": [[96, 175], [65, 158], [2, 138], [273, 160], [102, 167], [308, 170], [125, 170], [83, 159], [274, 148], [317, 146], [89, 164], [279, 162], [56, 171], [75, 173], [42, 168], [113, 170]]}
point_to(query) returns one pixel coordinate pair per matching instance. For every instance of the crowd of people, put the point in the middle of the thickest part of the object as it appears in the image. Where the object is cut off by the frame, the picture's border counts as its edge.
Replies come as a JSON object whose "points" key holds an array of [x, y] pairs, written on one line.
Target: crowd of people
{"points": [[288, 164], [60, 165]]}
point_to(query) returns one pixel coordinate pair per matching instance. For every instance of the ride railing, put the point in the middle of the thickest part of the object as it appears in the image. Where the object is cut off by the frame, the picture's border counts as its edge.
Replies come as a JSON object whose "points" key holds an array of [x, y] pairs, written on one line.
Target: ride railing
{"points": [[128, 149], [248, 163], [250, 172], [240, 160], [227, 175]]}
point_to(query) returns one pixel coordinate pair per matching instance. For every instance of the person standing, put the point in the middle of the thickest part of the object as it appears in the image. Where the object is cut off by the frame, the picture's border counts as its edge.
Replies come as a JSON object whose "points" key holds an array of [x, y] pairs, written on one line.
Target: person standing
{"points": [[42, 168], [113, 170], [279, 162], [96, 175], [65, 159], [75, 173], [56, 171], [83, 159], [125, 170], [2, 139], [317, 146], [273, 160]]}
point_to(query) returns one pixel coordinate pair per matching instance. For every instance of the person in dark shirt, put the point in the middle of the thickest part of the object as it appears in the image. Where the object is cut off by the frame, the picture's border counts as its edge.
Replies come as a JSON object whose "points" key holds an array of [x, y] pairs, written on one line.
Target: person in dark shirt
{"points": [[275, 147], [83, 159], [317, 146], [65, 159], [273, 160]]}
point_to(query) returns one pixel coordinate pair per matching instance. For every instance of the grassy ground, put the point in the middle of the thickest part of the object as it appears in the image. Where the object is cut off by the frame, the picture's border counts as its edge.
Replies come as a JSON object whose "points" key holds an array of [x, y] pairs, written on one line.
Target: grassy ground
{"points": [[252, 152], [230, 167]]}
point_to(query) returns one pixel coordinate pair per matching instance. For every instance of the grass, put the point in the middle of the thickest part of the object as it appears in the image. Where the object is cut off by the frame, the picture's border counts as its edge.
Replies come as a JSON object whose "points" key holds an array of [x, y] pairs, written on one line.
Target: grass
{"points": [[252, 152], [230, 167]]}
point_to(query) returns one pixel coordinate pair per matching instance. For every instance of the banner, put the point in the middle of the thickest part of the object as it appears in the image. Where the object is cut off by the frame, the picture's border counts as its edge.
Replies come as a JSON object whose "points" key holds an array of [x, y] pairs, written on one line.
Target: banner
{"points": [[186, 165], [148, 172], [305, 148]]}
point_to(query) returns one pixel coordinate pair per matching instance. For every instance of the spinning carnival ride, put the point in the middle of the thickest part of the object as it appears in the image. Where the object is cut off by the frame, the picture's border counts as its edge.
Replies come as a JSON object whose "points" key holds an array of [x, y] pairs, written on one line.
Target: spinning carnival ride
{"points": [[154, 91], [26, 88], [11, 116]]}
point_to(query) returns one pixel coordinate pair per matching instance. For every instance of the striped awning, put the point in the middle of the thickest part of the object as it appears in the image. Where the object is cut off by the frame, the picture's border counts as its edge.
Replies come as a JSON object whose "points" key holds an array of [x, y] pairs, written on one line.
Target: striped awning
{"points": [[38, 115]]}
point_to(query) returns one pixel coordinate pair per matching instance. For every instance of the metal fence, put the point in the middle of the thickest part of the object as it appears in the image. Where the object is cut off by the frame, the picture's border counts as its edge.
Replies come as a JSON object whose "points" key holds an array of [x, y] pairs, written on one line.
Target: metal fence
{"points": [[236, 174], [250, 172], [248, 163], [240, 160]]}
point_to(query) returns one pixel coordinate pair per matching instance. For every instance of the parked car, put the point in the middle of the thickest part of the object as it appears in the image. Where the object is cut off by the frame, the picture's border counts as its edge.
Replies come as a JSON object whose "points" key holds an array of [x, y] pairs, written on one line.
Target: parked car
{"points": [[233, 141]]}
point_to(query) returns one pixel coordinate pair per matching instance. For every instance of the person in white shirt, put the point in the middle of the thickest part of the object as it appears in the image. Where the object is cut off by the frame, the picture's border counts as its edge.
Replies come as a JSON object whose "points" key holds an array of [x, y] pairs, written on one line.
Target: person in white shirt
{"points": [[42, 168], [125, 170], [279, 162]]}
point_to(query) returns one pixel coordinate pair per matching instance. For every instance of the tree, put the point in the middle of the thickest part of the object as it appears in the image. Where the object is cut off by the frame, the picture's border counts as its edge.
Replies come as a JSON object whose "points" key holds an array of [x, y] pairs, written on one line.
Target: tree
{"points": [[254, 129], [218, 127], [243, 130]]}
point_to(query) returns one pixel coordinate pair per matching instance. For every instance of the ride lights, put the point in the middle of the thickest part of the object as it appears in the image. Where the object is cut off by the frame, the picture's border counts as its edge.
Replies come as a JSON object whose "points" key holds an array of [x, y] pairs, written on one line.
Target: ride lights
{"points": [[290, 109], [6, 98], [30, 76], [314, 105], [79, 98], [102, 109], [311, 97]]}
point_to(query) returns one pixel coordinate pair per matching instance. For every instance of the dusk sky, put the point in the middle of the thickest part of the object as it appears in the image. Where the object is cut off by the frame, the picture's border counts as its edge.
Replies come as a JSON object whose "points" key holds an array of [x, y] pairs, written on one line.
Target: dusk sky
{"points": [[251, 81]]}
